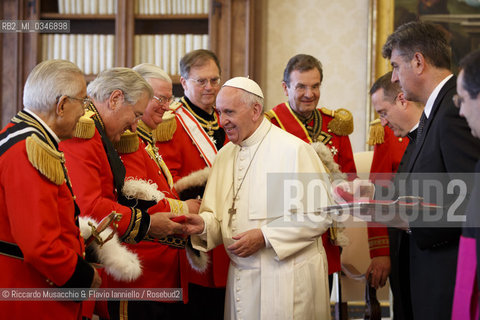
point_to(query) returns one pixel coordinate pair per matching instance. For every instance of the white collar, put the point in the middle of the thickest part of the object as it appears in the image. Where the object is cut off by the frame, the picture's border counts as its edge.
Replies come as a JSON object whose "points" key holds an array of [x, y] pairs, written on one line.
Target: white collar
{"points": [[258, 135], [433, 96], [30, 112]]}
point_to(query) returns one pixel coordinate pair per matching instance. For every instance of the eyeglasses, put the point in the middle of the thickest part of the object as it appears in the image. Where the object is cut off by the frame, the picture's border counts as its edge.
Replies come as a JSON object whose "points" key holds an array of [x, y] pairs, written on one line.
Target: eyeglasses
{"points": [[214, 82], [457, 100], [85, 101], [163, 100]]}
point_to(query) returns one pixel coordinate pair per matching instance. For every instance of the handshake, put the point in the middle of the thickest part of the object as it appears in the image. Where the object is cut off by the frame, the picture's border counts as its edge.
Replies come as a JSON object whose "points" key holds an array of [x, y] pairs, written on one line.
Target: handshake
{"points": [[163, 224]]}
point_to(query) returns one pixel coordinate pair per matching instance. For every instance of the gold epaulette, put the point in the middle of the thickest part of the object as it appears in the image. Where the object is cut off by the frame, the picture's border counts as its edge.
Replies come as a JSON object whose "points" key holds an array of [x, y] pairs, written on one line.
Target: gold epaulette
{"points": [[128, 142], [45, 159], [342, 122], [269, 115], [377, 133], [166, 129], [85, 128]]}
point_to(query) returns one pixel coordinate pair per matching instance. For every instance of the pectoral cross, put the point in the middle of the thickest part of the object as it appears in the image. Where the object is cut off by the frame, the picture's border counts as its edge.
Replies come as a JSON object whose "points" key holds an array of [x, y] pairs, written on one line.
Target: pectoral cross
{"points": [[231, 212]]}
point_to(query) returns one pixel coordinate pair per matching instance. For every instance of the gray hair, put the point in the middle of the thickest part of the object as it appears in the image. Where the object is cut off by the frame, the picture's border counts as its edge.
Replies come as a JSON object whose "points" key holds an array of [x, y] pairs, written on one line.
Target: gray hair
{"points": [[151, 71], [128, 81], [48, 81], [250, 99]]}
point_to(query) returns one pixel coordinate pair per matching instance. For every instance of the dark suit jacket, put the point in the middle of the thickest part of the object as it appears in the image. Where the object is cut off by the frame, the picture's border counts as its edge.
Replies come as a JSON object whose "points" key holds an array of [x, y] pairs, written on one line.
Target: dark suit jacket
{"points": [[399, 254], [448, 146]]}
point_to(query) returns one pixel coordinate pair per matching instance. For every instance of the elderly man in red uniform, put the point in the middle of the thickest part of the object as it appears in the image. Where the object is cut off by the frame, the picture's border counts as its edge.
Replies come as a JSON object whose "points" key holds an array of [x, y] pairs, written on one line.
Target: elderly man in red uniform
{"points": [[164, 262], [120, 96], [40, 242], [300, 116], [188, 143]]}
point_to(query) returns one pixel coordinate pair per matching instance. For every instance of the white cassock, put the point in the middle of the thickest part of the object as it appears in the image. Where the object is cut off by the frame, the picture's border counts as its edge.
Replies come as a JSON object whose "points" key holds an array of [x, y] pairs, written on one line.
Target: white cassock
{"points": [[288, 278]]}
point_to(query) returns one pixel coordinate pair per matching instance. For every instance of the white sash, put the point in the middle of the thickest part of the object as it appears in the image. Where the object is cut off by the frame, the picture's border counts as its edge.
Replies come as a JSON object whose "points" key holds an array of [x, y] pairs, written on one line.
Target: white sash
{"points": [[202, 141]]}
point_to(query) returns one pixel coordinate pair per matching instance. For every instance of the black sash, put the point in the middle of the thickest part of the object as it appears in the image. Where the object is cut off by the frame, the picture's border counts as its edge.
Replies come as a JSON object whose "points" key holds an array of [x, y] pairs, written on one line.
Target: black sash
{"points": [[10, 250], [116, 164]]}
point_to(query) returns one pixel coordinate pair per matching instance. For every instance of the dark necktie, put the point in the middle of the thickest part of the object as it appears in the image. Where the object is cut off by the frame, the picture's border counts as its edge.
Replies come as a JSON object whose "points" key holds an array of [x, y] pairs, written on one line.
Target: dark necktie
{"points": [[421, 125], [412, 136]]}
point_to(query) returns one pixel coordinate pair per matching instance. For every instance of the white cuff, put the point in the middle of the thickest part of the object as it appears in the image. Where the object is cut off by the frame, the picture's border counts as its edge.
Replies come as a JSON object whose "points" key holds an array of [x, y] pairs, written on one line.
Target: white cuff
{"points": [[267, 243]]}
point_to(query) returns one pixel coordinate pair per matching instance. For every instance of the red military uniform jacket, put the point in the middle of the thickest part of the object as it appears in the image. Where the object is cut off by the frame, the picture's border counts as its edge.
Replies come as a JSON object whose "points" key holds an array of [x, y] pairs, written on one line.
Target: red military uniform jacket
{"points": [[185, 148], [329, 133], [38, 216], [163, 266], [388, 153], [333, 131], [93, 179]]}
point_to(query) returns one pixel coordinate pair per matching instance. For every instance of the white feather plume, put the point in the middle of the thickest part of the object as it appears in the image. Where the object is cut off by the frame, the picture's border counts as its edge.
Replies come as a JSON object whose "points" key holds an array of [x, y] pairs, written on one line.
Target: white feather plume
{"points": [[326, 156], [198, 260], [141, 189], [194, 179], [119, 262], [335, 173]]}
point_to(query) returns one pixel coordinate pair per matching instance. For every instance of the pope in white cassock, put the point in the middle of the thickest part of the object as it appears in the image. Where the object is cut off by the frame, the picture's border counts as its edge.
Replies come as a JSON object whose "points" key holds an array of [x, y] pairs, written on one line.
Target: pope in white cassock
{"points": [[278, 269]]}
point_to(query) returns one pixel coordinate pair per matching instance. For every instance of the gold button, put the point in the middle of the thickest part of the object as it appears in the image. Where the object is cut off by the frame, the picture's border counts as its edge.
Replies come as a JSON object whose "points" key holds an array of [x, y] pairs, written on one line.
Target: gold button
{"points": [[330, 142], [400, 139], [329, 130]]}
